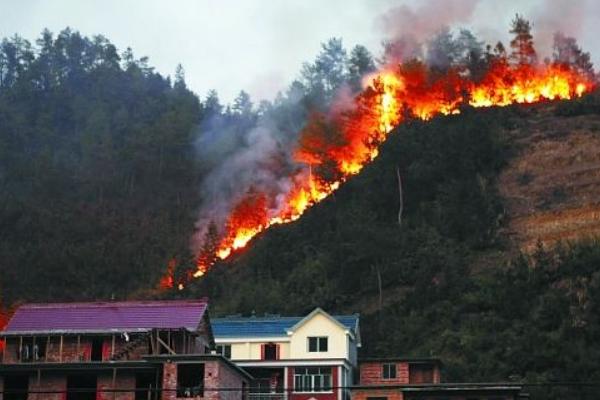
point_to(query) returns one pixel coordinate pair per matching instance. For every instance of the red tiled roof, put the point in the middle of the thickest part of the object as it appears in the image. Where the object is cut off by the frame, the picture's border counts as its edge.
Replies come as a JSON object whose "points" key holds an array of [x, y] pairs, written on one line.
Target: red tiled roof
{"points": [[107, 316]]}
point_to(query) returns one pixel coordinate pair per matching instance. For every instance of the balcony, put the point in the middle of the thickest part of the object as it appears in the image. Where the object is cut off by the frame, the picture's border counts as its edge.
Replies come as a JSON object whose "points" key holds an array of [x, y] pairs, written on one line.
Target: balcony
{"points": [[266, 396]]}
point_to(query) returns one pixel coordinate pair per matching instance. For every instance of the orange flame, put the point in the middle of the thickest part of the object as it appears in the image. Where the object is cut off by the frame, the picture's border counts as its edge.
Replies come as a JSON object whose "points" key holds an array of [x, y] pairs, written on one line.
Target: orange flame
{"points": [[339, 145]]}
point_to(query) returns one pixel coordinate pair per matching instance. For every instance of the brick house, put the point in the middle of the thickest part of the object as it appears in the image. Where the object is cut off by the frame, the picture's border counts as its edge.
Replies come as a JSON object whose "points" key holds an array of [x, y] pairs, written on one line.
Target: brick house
{"points": [[115, 350], [420, 378], [310, 357]]}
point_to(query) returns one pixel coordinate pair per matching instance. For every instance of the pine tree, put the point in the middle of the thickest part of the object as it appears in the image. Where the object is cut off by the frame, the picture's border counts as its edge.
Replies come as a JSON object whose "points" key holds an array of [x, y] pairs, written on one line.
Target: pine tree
{"points": [[523, 51]]}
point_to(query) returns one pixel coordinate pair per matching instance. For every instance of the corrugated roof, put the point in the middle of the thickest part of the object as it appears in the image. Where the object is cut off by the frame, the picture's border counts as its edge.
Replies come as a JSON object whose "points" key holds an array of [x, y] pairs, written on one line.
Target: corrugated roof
{"points": [[267, 326], [107, 316]]}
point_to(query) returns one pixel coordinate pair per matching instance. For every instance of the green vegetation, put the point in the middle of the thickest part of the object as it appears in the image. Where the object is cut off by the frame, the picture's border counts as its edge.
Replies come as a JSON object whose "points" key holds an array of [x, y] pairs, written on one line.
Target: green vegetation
{"points": [[100, 186], [97, 175]]}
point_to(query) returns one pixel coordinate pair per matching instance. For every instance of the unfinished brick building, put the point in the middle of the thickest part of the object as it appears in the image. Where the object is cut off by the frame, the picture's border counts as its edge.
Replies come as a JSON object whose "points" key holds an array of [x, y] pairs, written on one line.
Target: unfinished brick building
{"points": [[420, 379], [115, 350]]}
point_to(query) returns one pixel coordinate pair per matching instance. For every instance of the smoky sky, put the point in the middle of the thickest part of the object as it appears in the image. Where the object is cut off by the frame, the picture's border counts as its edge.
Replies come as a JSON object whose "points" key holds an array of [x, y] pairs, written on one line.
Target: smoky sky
{"points": [[259, 45]]}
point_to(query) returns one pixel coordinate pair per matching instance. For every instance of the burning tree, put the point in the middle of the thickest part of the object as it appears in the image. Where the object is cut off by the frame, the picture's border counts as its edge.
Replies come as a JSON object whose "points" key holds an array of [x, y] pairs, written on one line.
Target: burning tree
{"points": [[337, 141]]}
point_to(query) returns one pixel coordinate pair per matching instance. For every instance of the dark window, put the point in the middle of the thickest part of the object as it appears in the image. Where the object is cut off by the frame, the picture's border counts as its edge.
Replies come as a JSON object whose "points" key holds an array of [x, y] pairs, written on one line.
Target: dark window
{"points": [[39, 349], [97, 344], [270, 351], [26, 350], [16, 387], [389, 371], [145, 383], [81, 387], [190, 380], [317, 344], [312, 379], [224, 350]]}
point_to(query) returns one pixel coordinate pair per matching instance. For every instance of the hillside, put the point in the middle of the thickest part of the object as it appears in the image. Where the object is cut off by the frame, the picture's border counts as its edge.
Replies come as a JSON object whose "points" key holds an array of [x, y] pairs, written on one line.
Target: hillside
{"points": [[102, 170], [552, 186], [470, 185]]}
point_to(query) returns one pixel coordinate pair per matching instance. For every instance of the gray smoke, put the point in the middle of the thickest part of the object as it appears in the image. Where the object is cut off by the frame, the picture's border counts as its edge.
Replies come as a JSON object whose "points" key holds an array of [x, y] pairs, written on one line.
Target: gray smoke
{"points": [[240, 156], [408, 28]]}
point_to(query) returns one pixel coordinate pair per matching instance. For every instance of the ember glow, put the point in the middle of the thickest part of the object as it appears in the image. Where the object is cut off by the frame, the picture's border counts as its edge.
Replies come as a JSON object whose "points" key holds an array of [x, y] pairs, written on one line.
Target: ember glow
{"points": [[335, 146]]}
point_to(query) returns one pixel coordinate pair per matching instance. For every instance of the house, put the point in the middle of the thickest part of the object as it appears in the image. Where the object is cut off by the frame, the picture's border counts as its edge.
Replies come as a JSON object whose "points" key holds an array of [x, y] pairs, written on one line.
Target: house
{"points": [[310, 357], [420, 378], [115, 350]]}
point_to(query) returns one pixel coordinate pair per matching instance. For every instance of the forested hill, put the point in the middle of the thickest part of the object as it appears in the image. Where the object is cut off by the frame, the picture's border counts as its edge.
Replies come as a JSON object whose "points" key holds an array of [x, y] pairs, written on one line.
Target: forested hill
{"points": [[98, 177], [100, 186], [447, 281]]}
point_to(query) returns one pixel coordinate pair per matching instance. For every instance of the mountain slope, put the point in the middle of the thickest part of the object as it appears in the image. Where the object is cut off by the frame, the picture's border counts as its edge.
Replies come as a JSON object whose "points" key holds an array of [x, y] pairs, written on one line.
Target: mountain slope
{"points": [[449, 281]]}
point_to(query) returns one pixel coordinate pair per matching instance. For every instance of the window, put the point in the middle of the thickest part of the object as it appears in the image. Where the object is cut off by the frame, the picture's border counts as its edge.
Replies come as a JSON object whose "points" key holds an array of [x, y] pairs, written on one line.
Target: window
{"points": [[317, 344], [97, 344], [389, 371], [224, 350], [312, 379], [16, 387], [270, 351], [82, 387], [190, 380]]}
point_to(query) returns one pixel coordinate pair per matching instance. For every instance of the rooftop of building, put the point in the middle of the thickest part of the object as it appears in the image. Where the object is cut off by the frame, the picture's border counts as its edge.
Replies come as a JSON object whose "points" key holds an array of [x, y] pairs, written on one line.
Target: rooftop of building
{"points": [[271, 325], [101, 317]]}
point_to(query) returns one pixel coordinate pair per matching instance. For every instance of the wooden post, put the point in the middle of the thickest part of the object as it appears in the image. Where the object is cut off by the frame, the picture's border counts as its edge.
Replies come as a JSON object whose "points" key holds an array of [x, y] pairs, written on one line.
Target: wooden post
{"points": [[60, 349], [169, 338], [20, 348], [39, 379], [79, 357], [157, 341], [114, 381], [47, 348]]}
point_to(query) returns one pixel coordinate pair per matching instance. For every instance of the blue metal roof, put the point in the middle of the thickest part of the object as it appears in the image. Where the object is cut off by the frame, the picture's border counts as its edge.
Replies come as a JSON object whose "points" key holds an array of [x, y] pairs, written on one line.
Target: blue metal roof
{"points": [[267, 326]]}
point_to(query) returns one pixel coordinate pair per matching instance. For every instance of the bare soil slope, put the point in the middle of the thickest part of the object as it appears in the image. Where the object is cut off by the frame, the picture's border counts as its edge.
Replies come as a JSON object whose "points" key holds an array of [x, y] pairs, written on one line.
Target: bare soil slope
{"points": [[552, 185]]}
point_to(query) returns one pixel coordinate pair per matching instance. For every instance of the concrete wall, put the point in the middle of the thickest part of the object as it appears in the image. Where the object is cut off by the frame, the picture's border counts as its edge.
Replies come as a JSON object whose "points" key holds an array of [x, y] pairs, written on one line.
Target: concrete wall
{"points": [[319, 325], [252, 350]]}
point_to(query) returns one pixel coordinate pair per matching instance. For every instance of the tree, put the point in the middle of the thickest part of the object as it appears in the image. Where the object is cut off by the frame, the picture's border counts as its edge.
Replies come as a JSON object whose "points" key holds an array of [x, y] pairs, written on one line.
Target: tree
{"points": [[470, 53], [523, 51], [212, 104], [360, 64], [328, 72], [179, 78], [442, 50], [567, 51], [242, 105]]}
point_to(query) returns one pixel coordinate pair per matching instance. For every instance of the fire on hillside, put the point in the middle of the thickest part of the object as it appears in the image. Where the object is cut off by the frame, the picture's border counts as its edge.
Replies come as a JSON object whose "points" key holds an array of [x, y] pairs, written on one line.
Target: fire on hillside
{"points": [[337, 144]]}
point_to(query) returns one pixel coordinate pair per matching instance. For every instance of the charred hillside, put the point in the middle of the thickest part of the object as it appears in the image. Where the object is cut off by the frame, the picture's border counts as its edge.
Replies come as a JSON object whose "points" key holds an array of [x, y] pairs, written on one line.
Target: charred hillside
{"points": [[450, 280]]}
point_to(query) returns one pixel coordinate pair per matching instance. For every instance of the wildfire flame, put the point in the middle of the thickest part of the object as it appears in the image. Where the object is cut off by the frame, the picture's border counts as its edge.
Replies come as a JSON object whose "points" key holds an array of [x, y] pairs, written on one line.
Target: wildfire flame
{"points": [[339, 145]]}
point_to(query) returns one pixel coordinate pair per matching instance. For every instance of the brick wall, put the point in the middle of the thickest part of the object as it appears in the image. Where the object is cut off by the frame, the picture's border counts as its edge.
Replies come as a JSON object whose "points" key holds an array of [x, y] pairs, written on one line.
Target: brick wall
{"points": [[49, 382], [217, 375], [169, 382], [364, 394], [71, 352], [371, 373], [124, 381]]}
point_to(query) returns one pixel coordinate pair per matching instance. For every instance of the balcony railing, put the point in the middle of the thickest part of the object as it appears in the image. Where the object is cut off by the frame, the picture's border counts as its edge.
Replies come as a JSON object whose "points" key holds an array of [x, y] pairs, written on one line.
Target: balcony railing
{"points": [[266, 396]]}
